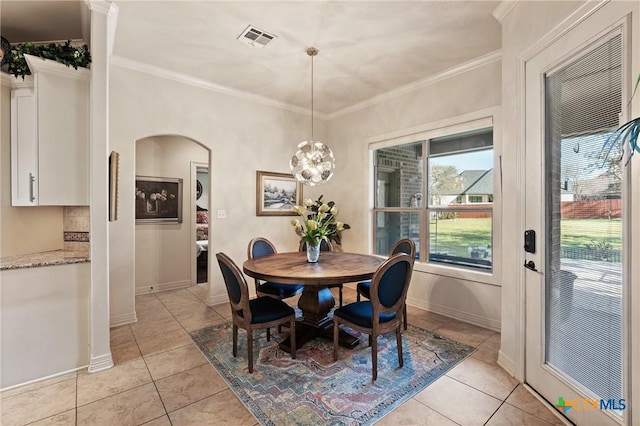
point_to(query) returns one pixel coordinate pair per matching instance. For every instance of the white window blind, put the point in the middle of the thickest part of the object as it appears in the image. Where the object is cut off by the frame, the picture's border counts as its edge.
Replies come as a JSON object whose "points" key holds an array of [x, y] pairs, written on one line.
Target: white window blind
{"points": [[583, 291]]}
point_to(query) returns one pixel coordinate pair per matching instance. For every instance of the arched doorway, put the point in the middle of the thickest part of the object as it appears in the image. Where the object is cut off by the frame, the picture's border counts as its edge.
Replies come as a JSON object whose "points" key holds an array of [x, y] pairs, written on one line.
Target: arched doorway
{"points": [[165, 252]]}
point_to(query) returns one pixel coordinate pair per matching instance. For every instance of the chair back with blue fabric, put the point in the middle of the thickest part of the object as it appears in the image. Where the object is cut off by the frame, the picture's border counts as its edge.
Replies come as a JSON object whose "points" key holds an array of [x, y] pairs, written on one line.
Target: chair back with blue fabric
{"points": [[259, 247], [252, 314], [404, 245], [383, 312], [390, 284], [236, 285]]}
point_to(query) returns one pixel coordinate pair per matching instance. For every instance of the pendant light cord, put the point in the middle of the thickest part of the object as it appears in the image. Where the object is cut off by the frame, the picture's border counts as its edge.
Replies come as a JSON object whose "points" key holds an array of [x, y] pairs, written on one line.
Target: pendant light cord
{"points": [[312, 97], [312, 51]]}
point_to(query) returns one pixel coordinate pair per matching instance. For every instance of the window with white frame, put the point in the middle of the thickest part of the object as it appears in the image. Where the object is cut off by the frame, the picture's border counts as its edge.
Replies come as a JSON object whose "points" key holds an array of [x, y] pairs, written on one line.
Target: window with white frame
{"points": [[449, 215]]}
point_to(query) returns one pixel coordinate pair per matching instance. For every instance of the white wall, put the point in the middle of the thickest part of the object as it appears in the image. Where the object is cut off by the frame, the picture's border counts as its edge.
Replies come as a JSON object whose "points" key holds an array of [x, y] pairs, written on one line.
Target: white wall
{"points": [[243, 136], [468, 296], [163, 250]]}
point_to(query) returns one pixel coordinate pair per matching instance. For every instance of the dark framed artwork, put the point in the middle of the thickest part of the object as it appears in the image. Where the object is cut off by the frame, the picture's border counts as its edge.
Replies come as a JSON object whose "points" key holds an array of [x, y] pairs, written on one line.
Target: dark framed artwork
{"points": [[276, 193], [158, 200]]}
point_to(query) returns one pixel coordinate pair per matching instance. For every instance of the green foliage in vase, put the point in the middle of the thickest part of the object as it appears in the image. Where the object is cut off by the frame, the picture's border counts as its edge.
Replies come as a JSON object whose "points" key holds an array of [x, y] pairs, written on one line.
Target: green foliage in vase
{"points": [[319, 222], [71, 56]]}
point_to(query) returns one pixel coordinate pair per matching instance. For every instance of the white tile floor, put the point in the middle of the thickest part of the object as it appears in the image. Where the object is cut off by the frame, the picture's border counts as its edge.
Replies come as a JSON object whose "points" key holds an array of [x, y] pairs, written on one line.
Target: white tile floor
{"points": [[160, 378]]}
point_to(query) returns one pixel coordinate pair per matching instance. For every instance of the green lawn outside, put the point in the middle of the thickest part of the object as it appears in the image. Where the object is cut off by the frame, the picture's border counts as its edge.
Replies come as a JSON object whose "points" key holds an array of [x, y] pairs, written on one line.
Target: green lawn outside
{"points": [[580, 232], [454, 236]]}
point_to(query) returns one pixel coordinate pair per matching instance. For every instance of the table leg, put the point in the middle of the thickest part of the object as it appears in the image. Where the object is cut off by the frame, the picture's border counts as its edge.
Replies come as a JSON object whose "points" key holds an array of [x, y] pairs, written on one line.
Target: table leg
{"points": [[315, 304]]}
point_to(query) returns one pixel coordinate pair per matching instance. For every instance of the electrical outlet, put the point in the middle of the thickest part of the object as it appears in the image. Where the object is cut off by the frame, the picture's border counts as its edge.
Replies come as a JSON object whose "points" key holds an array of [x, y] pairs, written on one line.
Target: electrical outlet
{"points": [[221, 214]]}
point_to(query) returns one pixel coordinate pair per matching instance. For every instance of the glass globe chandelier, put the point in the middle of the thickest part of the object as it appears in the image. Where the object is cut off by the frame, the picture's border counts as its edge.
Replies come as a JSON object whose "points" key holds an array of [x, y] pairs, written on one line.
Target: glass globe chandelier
{"points": [[313, 162]]}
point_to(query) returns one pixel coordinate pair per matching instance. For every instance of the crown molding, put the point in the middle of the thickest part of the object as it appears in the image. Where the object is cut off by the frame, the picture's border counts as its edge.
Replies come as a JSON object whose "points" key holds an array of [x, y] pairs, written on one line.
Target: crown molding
{"points": [[416, 85], [503, 9], [131, 64], [207, 85], [37, 64]]}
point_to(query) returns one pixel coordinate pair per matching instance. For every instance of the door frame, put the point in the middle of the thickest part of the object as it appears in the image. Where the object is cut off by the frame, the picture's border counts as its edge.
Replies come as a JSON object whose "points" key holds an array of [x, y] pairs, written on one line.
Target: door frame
{"points": [[631, 343], [192, 222]]}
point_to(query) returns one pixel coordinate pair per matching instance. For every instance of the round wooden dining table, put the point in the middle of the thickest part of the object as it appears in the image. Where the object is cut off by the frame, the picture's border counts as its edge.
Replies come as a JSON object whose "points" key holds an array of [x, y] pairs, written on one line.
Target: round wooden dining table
{"points": [[316, 300]]}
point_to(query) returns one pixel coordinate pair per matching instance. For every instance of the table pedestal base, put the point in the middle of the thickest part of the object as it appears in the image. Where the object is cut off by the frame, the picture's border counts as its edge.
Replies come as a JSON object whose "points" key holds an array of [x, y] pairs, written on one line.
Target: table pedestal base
{"points": [[315, 304], [305, 333]]}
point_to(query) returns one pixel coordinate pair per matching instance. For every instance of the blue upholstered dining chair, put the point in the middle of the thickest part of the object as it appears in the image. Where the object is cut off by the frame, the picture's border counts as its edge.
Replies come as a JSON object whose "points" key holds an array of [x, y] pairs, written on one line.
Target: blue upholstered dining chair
{"points": [[324, 246], [382, 313], [252, 314], [404, 245], [258, 247]]}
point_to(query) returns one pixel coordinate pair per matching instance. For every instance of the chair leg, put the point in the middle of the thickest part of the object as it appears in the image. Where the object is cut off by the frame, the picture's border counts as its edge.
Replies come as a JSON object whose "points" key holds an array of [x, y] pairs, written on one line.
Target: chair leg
{"points": [[358, 296], [292, 336], [335, 339], [374, 357], [250, 349], [235, 340], [404, 316], [340, 295], [399, 343], [268, 334]]}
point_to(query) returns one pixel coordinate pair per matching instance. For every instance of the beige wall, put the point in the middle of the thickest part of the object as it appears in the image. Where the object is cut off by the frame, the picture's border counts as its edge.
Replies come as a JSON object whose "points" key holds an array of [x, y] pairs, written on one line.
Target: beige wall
{"points": [[163, 251], [243, 136], [22, 229]]}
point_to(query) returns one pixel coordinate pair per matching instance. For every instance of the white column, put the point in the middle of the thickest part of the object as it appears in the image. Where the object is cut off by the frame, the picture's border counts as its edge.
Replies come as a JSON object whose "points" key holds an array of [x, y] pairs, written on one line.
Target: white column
{"points": [[102, 18]]}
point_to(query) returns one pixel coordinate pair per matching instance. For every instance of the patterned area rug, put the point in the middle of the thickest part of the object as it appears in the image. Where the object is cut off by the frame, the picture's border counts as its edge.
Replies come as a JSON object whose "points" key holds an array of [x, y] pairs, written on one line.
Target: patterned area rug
{"points": [[314, 390]]}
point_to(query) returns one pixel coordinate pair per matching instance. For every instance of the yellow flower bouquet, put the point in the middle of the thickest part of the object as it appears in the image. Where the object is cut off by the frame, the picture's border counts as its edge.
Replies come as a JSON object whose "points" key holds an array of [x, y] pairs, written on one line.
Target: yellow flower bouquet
{"points": [[318, 222]]}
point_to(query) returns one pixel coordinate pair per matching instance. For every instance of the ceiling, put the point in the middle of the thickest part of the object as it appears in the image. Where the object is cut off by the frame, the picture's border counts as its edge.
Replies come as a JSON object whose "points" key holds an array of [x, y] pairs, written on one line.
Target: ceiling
{"points": [[367, 48]]}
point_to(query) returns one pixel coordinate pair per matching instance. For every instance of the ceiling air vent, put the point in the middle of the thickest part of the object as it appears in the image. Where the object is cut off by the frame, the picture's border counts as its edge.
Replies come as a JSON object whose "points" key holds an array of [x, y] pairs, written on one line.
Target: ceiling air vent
{"points": [[255, 37]]}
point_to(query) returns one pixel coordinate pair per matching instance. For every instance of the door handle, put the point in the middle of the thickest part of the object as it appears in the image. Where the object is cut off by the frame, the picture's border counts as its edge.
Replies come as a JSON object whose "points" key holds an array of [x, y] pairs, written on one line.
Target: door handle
{"points": [[531, 265], [32, 179]]}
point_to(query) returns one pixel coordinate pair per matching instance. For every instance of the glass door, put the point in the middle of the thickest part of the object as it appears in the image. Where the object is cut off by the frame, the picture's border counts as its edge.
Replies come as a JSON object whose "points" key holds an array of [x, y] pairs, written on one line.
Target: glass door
{"points": [[574, 206]]}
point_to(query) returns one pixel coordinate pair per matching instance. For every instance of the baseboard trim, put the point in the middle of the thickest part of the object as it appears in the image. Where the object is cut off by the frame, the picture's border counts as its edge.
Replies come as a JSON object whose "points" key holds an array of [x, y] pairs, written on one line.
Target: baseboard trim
{"points": [[506, 363], [123, 319], [474, 319], [217, 300], [163, 287], [52, 376], [101, 362]]}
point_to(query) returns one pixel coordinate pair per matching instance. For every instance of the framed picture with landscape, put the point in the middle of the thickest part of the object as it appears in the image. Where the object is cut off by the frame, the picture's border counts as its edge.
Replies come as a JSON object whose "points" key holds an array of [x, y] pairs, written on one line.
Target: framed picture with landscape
{"points": [[276, 193], [158, 200]]}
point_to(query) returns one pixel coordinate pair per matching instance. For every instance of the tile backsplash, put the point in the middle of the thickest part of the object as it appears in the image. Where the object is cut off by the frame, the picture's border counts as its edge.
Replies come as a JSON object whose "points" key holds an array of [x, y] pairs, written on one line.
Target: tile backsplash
{"points": [[76, 228]]}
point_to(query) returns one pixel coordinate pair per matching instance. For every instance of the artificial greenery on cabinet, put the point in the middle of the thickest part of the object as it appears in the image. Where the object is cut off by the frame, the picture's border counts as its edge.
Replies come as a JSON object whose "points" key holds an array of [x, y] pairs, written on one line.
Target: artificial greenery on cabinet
{"points": [[67, 54]]}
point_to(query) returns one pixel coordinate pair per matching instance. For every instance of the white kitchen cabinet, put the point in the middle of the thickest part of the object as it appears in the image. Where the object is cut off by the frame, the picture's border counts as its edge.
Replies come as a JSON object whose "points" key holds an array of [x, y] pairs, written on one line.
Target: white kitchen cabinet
{"points": [[50, 136]]}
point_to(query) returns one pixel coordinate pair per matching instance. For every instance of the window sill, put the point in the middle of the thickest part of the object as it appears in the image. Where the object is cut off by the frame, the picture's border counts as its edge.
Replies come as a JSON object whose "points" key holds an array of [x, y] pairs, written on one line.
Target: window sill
{"points": [[489, 278]]}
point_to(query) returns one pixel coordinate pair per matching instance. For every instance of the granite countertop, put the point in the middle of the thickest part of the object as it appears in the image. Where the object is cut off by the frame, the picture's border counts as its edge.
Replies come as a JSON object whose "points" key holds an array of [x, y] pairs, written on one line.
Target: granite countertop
{"points": [[47, 258]]}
